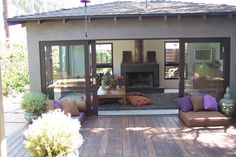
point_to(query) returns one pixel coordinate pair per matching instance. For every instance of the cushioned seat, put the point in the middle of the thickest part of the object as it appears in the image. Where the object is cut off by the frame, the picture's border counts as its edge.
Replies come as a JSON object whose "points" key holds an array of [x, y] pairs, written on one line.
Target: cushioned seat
{"points": [[204, 118]]}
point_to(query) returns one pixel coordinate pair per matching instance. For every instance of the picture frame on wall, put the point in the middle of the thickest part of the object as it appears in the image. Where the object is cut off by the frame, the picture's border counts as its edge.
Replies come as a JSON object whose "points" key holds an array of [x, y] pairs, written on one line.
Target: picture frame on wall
{"points": [[127, 57], [151, 57]]}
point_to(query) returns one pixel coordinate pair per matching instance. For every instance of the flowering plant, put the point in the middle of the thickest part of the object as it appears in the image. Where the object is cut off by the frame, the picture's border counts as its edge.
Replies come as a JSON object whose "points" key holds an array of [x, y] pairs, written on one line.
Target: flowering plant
{"points": [[52, 135]]}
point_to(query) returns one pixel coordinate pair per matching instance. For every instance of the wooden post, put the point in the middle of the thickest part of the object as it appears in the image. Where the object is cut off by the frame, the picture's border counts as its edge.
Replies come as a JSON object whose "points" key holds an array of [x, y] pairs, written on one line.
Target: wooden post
{"points": [[139, 51], [2, 126]]}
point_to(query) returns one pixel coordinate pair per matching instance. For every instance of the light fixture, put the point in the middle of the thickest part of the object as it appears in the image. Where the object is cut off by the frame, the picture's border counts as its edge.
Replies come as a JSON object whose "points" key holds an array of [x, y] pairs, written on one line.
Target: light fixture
{"points": [[85, 16]]}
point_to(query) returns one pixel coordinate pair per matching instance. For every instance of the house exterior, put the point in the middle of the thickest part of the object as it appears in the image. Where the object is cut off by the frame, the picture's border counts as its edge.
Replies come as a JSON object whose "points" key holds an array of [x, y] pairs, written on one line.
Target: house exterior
{"points": [[204, 32]]}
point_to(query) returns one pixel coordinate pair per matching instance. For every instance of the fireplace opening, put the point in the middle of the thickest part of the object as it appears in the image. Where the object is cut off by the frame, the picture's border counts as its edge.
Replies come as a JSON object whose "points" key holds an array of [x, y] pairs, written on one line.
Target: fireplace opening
{"points": [[139, 79]]}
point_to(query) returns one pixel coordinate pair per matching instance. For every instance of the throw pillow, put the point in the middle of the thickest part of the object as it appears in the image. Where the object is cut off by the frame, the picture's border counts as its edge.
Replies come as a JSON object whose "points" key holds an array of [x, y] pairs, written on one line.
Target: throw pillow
{"points": [[210, 103], [185, 104], [134, 94], [49, 105], [138, 100], [81, 104], [197, 102], [70, 106], [57, 104]]}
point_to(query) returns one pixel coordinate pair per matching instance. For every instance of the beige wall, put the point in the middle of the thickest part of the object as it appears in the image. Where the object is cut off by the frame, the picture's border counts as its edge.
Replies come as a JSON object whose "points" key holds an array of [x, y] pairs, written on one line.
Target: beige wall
{"points": [[128, 29]]}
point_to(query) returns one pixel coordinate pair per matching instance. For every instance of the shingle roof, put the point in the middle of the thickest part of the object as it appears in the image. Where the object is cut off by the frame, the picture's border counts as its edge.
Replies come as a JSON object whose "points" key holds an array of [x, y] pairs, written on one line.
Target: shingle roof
{"points": [[131, 9]]}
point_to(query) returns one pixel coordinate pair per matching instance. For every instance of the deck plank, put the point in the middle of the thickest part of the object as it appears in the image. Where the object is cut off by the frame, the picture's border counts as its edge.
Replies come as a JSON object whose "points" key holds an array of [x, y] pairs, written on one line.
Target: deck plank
{"points": [[144, 136]]}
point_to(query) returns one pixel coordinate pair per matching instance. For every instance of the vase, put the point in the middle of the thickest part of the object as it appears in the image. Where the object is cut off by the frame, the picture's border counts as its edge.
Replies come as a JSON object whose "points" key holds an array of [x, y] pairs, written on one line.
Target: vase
{"points": [[227, 105], [29, 116]]}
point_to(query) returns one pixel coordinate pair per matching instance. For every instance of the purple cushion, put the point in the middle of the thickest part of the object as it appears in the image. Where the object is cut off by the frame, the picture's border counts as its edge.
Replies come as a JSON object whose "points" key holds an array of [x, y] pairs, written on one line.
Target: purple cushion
{"points": [[80, 117], [57, 104], [185, 104], [210, 103]]}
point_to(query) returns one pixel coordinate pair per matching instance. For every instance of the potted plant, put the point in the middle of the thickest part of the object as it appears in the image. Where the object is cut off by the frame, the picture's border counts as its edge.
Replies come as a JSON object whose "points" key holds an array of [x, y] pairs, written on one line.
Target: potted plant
{"points": [[33, 104], [53, 134], [108, 81]]}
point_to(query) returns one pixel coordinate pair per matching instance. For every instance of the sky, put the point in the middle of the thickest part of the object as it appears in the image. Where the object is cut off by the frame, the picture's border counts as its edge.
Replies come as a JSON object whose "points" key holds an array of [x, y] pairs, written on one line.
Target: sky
{"points": [[75, 3]]}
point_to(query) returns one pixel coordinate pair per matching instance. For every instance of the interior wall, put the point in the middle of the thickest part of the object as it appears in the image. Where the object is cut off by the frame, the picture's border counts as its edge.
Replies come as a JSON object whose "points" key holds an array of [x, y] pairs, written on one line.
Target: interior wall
{"points": [[148, 45]]}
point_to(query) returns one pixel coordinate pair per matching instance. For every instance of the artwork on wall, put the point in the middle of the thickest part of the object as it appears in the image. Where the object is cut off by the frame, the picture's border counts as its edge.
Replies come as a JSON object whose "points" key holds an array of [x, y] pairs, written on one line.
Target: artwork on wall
{"points": [[151, 56], [203, 55], [127, 57]]}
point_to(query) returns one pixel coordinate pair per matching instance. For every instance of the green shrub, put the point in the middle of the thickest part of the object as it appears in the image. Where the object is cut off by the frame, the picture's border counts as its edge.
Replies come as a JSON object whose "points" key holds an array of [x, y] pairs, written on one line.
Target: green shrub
{"points": [[15, 76], [34, 103]]}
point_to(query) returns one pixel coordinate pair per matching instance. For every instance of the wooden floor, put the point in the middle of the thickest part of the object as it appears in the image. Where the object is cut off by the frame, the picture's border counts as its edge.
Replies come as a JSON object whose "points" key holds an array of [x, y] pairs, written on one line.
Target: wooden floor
{"points": [[146, 136]]}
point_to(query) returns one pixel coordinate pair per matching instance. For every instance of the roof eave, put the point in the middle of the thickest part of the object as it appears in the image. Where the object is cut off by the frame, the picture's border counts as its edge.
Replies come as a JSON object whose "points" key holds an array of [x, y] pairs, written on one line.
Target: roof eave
{"points": [[21, 20]]}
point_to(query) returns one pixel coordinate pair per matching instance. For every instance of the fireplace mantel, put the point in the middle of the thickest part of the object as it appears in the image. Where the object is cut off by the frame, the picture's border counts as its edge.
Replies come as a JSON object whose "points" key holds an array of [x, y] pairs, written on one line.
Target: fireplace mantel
{"points": [[142, 67]]}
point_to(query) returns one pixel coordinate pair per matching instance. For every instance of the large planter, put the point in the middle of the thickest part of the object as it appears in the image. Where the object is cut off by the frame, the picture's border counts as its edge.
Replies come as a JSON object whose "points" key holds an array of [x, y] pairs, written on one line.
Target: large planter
{"points": [[227, 105], [30, 116]]}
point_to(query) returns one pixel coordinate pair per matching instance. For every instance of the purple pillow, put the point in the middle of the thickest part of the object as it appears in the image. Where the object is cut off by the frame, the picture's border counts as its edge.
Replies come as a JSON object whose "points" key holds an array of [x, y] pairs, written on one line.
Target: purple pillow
{"points": [[57, 104], [210, 103], [185, 104]]}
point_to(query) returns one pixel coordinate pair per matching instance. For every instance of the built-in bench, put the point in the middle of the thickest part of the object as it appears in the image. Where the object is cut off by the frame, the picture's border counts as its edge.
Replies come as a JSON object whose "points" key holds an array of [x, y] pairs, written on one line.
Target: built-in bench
{"points": [[203, 118]]}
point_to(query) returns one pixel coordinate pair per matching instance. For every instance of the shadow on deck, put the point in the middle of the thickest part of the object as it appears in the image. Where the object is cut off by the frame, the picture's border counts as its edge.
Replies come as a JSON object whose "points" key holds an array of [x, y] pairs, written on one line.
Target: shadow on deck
{"points": [[144, 136]]}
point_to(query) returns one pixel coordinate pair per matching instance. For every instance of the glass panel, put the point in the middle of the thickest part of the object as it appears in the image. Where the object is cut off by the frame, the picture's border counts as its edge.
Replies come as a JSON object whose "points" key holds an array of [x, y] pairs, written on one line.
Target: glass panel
{"points": [[205, 69], [67, 72], [104, 70], [171, 60], [172, 72], [103, 53], [172, 52]]}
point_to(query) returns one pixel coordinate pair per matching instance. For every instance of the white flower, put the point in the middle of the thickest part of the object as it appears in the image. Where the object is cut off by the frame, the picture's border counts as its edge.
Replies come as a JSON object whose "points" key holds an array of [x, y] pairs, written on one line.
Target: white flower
{"points": [[52, 135]]}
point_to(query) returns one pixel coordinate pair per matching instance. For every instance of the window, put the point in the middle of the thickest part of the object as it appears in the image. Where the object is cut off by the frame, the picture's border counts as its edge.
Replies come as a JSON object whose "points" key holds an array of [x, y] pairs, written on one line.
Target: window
{"points": [[104, 58], [171, 60]]}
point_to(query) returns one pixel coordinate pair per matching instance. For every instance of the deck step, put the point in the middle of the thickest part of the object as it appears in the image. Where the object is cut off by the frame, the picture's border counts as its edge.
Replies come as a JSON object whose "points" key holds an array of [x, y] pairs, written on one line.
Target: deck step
{"points": [[139, 112]]}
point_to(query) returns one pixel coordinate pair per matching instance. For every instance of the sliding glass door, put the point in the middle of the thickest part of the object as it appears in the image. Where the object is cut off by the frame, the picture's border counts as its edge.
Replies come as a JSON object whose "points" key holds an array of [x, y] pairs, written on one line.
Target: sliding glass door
{"points": [[66, 70], [204, 66]]}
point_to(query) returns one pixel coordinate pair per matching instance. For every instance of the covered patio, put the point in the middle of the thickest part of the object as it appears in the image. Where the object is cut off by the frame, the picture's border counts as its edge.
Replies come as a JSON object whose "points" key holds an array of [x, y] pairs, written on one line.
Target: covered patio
{"points": [[145, 136]]}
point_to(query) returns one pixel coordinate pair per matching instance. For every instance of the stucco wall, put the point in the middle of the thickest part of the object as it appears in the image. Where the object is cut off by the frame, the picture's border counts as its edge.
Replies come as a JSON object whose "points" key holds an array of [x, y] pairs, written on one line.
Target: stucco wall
{"points": [[129, 29]]}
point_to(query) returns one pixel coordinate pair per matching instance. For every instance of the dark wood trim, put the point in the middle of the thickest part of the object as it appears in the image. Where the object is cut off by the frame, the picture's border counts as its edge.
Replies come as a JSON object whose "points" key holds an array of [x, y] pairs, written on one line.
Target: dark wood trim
{"points": [[181, 66], [87, 79], [94, 75], [226, 57], [42, 67], [63, 42]]}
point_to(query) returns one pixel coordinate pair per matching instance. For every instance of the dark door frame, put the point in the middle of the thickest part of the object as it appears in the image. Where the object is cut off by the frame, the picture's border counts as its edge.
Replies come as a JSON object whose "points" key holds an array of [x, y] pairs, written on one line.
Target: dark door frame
{"points": [[225, 51]]}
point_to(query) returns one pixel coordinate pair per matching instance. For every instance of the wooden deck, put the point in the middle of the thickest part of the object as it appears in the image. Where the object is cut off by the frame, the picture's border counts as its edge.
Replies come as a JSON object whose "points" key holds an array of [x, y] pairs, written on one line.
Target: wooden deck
{"points": [[146, 136]]}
